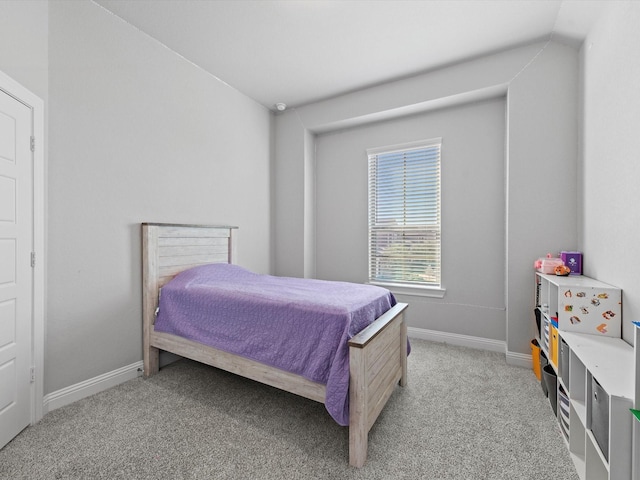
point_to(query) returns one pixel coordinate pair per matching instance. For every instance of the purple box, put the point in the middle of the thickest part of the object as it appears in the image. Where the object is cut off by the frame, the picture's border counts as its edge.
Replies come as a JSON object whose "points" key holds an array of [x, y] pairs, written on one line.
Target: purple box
{"points": [[573, 260]]}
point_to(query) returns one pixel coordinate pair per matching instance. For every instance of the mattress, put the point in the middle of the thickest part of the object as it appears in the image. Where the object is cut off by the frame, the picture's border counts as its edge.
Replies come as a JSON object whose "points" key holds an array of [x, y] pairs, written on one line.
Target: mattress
{"points": [[299, 325]]}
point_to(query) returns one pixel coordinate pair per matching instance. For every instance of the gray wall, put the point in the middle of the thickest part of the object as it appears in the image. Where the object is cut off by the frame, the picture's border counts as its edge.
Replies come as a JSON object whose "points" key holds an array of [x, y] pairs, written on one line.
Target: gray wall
{"points": [[137, 134], [610, 174], [540, 83], [542, 162], [473, 213]]}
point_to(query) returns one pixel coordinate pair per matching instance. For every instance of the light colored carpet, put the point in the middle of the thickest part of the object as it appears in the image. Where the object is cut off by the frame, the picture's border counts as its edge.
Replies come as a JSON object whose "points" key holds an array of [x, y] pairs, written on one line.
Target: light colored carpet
{"points": [[465, 414]]}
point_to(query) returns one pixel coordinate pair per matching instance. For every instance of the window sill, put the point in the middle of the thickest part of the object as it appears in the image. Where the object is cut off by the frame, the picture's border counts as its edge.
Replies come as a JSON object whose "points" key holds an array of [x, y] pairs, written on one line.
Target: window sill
{"points": [[416, 291]]}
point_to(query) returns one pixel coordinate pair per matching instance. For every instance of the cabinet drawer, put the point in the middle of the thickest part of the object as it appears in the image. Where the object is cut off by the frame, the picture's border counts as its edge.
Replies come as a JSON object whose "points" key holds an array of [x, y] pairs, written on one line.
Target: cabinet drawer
{"points": [[545, 334], [564, 412]]}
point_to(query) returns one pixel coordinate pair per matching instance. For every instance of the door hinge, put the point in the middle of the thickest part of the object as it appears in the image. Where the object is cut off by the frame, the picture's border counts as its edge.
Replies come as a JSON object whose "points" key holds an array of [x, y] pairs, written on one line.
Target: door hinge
{"points": [[33, 144], [33, 259], [33, 374]]}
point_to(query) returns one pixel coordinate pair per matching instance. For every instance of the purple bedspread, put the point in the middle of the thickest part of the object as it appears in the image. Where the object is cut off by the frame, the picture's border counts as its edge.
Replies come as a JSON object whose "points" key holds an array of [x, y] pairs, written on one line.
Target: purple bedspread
{"points": [[299, 325]]}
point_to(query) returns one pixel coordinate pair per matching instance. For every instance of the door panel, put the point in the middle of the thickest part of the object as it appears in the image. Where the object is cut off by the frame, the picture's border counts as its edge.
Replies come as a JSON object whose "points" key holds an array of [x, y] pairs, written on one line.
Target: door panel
{"points": [[16, 275]]}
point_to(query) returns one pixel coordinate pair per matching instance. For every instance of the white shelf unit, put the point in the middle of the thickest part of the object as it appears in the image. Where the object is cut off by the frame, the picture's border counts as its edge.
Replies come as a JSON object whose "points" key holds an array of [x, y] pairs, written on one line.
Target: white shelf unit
{"points": [[609, 360], [581, 304]]}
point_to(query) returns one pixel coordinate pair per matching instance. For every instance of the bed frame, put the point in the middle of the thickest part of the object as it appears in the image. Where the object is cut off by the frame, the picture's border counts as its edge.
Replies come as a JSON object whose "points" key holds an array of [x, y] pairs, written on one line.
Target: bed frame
{"points": [[377, 355]]}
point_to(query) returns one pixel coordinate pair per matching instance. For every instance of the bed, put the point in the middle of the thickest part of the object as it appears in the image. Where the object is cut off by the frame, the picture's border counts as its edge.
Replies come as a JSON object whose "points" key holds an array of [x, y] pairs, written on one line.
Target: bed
{"points": [[376, 355]]}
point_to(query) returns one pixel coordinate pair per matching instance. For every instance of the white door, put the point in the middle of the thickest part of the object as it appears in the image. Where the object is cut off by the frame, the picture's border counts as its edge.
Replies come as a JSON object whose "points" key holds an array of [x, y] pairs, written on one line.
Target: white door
{"points": [[16, 275]]}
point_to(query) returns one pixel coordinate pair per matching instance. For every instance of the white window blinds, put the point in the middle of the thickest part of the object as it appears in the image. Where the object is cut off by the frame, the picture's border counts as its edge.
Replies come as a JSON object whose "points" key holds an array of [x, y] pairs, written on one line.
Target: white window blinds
{"points": [[404, 214]]}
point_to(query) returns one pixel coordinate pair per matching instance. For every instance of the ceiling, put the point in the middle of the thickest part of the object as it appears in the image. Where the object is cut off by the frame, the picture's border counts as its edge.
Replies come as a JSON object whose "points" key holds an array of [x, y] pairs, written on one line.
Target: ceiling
{"points": [[301, 51]]}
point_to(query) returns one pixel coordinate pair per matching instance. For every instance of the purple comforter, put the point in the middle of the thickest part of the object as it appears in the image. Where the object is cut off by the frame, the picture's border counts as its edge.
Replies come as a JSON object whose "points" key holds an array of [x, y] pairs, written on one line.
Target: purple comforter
{"points": [[299, 325]]}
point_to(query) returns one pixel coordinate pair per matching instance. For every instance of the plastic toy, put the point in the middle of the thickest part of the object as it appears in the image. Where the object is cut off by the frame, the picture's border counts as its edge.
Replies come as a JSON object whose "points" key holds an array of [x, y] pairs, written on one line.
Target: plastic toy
{"points": [[547, 264]]}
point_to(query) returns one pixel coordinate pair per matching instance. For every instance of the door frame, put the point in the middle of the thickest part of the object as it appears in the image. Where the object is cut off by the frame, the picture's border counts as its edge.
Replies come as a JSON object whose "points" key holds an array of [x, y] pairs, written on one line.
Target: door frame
{"points": [[36, 104]]}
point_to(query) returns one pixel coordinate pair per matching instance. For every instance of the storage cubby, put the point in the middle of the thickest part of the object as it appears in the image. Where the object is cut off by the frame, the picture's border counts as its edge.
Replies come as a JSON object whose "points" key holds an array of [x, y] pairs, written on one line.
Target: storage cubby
{"points": [[600, 377], [595, 370], [596, 468], [578, 386], [577, 444]]}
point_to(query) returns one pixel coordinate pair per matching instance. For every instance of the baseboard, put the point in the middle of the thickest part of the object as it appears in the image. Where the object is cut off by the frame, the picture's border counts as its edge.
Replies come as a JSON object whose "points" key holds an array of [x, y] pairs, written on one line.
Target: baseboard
{"points": [[512, 358], [81, 390], [519, 359], [457, 339]]}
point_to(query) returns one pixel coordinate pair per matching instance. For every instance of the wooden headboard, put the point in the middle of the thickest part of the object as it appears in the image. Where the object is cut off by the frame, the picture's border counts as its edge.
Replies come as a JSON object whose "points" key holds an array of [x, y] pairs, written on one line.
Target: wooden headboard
{"points": [[168, 249]]}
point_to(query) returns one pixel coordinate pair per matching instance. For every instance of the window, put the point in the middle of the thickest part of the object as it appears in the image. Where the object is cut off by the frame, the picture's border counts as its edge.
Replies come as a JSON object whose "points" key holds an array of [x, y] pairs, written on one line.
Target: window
{"points": [[404, 214]]}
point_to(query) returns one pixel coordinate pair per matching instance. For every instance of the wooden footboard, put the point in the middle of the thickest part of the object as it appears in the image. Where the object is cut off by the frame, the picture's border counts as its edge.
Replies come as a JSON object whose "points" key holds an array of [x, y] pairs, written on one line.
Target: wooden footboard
{"points": [[378, 354], [377, 362]]}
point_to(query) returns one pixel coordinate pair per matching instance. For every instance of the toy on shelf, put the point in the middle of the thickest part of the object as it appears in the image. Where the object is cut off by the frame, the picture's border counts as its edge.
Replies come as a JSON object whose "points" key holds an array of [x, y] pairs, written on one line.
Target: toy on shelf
{"points": [[547, 264], [573, 260], [562, 270]]}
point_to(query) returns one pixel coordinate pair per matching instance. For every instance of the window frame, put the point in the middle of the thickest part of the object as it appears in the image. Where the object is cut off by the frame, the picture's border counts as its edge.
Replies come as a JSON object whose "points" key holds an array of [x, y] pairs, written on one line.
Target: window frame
{"points": [[399, 287]]}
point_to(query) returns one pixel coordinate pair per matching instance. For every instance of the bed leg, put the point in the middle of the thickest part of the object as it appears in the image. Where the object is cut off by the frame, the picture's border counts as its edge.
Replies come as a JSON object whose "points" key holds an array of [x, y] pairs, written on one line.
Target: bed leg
{"points": [[403, 352], [151, 361], [358, 431]]}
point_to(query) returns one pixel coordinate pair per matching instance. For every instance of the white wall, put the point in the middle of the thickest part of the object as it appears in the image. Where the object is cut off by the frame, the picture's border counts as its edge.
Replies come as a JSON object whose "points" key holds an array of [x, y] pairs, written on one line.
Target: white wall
{"points": [[23, 43], [473, 213], [542, 146], [610, 170], [540, 82], [137, 134], [289, 177], [610, 193]]}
